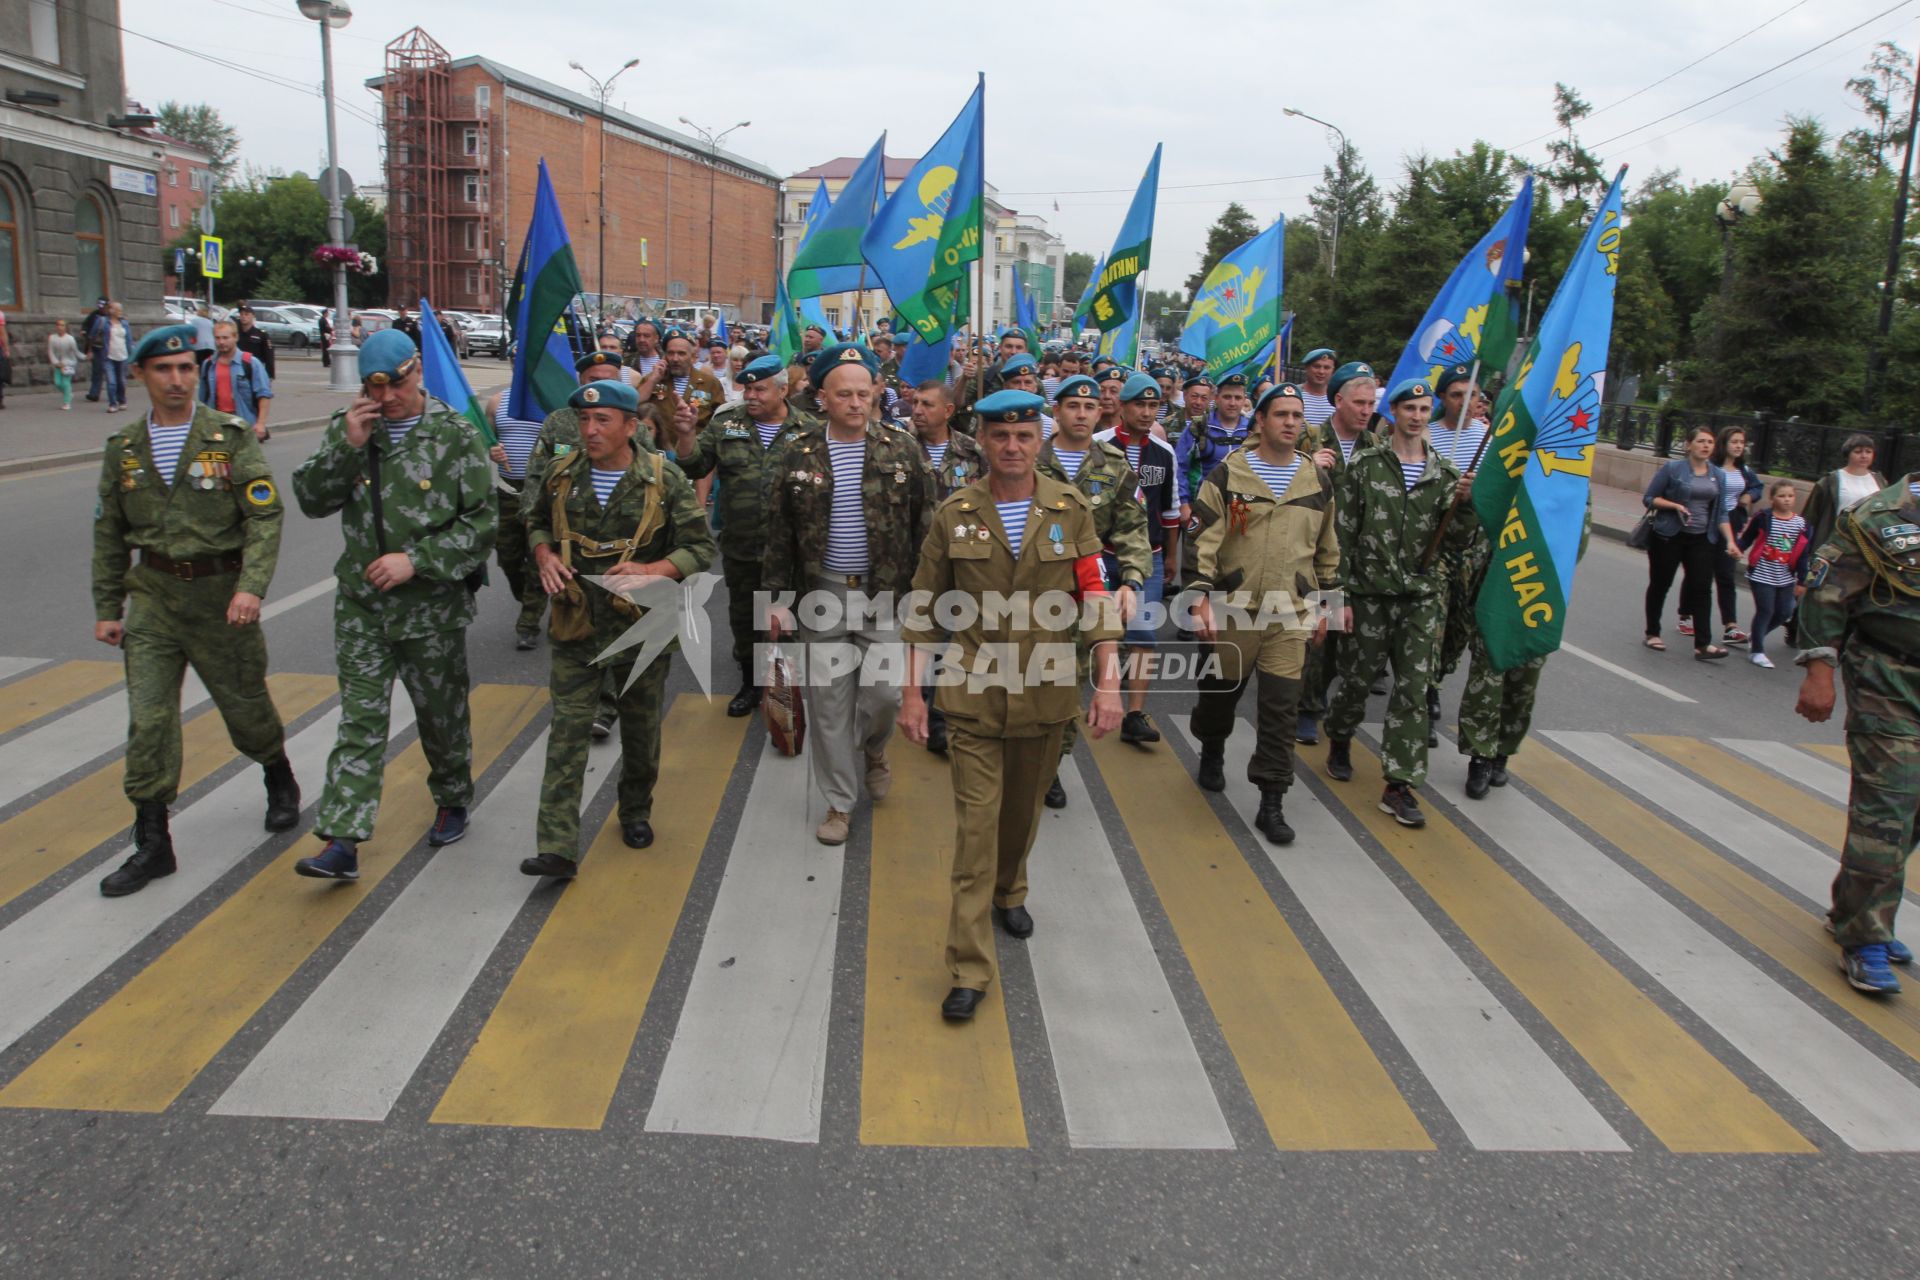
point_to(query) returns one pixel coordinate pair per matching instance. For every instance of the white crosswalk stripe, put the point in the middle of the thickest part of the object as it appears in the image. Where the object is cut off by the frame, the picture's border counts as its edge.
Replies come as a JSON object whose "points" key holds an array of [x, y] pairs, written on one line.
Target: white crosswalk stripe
{"points": [[1128, 1072], [1501, 1087], [56, 749], [1802, 767], [11, 667]]}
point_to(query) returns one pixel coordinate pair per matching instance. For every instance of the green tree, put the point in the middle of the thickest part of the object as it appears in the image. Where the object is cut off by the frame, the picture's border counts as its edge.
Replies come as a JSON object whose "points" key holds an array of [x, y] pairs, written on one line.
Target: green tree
{"points": [[1382, 297], [1164, 314], [1073, 282], [1233, 228], [202, 126], [1574, 170], [1884, 91], [1347, 200], [1799, 307], [281, 220]]}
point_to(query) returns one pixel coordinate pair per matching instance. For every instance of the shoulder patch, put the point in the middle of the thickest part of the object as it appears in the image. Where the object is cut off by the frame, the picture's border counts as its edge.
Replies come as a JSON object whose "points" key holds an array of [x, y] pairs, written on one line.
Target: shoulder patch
{"points": [[261, 492]]}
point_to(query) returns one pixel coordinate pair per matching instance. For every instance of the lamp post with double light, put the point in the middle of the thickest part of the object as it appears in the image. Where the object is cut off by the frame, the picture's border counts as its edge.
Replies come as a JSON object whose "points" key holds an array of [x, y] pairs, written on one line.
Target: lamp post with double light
{"points": [[331, 15], [713, 141], [602, 89], [1333, 253]]}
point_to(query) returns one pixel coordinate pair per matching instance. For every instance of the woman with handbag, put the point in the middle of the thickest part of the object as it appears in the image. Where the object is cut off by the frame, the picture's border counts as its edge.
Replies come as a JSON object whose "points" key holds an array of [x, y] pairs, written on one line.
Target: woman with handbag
{"points": [[1743, 494], [1688, 501]]}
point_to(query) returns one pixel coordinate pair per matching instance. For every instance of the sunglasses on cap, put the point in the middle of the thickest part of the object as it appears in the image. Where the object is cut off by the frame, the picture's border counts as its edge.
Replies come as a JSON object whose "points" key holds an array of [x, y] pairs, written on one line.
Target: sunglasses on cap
{"points": [[398, 375]]}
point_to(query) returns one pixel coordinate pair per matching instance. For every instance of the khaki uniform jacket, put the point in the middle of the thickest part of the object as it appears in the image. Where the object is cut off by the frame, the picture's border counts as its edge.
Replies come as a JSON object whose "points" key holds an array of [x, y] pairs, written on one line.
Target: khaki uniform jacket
{"points": [[896, 489], [1118, 516], [704, 392], [1250, 541], [967, 550], [222, 500]]}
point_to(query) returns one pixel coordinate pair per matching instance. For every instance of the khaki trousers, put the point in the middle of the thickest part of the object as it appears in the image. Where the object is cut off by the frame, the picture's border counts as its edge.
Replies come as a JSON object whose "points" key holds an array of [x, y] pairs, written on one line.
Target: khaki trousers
{"points": [[998, 787], [848, 717]]}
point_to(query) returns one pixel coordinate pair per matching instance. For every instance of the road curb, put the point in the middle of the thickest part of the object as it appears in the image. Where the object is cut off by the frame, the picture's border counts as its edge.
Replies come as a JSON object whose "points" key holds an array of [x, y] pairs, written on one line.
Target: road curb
{"points": [[48, 461]]}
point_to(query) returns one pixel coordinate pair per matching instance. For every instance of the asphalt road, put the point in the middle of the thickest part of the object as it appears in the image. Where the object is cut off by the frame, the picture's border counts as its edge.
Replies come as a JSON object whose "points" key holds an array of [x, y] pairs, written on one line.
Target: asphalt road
{"points": [[1769, 1167]]}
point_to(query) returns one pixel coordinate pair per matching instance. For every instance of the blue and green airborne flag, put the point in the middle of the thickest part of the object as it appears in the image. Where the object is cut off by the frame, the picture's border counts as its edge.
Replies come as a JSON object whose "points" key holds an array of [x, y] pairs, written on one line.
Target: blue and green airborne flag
{"points": [[444, 379], [1236, 310], [1532, 490], [1116, 292], [828, 259], [1474, 314], [544, 287], [927, 233], [784, 337], [1026, 313]]}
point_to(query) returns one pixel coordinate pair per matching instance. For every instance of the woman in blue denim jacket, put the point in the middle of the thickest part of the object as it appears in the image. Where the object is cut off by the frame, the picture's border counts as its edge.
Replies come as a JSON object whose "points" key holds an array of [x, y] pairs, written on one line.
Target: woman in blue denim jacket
{"points": [[1688, 498], [1743, 495]]}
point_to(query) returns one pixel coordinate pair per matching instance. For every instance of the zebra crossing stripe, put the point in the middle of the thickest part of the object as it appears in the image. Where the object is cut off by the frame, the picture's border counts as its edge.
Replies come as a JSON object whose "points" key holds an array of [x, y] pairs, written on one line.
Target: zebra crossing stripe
{"points": [[45, 692], [1501, 1088], [1785, 928], [54, 950], [46, 837], [1312, 1075], [1829, 752], [1686, 1097], [144, 1046], [31, 760], [11, 667], [1810, 772], [554, 1049], [922, 1082], [1812, 817]]}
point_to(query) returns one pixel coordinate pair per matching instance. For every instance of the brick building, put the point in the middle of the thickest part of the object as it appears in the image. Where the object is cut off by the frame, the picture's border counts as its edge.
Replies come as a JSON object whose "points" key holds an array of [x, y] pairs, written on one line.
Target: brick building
{"points": [[463, 141], [79, 193], [186, 180]]}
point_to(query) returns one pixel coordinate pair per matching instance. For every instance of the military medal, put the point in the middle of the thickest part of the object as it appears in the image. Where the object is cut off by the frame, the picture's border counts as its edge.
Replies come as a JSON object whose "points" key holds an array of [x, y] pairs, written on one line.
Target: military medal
{"points": [[1053, 533]]}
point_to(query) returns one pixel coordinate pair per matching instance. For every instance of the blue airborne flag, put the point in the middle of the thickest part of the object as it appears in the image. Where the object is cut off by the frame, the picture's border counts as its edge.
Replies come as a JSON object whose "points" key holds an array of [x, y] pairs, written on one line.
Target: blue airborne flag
{"points": [[1531, 493], [1085, 304], [540, 307], [1473, 314], [1116, 286], [1236, 310], [929, 230], [444, 379], [828, 259]]}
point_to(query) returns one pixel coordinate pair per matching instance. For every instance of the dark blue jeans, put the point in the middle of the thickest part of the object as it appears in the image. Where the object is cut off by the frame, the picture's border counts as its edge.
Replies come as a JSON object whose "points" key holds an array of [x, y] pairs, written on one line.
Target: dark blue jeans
{"points": [[1772, 606]]}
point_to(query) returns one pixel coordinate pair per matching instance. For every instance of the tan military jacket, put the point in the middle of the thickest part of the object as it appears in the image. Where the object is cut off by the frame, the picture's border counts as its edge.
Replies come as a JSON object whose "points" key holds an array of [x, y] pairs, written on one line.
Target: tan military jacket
{"points": [[1251, 541]]}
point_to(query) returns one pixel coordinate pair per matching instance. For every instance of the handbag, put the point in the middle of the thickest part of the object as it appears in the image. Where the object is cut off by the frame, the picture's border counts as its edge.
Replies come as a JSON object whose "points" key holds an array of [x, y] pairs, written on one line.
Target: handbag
{"points": [[1640, 537], [784, 706]]}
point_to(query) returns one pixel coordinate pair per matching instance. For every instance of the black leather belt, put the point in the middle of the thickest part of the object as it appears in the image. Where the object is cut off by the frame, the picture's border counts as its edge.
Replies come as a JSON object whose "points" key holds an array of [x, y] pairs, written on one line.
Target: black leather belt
{"points": [[188, 570]]}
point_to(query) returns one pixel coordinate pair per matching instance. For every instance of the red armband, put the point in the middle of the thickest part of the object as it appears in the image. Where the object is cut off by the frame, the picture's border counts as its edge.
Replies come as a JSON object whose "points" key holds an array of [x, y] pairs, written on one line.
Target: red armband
{"points": [[1092, 581]]}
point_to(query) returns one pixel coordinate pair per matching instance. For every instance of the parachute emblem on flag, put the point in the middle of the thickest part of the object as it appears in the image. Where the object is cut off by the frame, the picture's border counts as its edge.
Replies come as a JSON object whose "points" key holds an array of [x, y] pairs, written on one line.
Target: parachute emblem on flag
{"points": [[936, 193], [1443, 343], [1229, 296], [1570, 425]]}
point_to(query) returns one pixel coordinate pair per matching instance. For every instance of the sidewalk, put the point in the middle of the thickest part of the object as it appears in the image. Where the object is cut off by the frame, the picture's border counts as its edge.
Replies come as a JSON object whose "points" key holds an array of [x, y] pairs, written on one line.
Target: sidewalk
{"points": [[35, 434]]}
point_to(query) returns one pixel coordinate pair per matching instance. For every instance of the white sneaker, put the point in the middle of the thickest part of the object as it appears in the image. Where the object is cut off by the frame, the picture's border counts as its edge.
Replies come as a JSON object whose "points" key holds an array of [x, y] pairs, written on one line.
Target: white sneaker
{"points": [[1762, 660]]}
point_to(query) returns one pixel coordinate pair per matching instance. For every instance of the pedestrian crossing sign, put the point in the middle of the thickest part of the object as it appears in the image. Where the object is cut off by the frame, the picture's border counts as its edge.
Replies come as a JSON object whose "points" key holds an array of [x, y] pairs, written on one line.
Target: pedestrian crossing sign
{"points": [[212, 257]]}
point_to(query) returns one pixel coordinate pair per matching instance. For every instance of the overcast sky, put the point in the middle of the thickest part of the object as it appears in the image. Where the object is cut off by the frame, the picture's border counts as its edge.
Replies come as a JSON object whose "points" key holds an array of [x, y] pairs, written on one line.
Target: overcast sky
{"points": [[1077, 94]]}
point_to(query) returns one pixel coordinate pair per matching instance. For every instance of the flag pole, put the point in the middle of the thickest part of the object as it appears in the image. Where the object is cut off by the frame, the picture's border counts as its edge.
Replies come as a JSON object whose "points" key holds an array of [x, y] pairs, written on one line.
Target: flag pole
{"points": [[979, 310], [1446, 517]]}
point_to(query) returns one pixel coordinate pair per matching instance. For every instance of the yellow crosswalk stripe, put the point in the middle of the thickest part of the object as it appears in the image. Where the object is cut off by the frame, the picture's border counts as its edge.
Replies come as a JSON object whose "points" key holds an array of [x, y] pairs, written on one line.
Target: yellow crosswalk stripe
{"points": [[44, 692], [1755, 787], [552, 1052], [45, 837], [1313, 1076], [1780, 926], [139, 1050], [1685, 1096], [922, 1082], [1827, 750]]}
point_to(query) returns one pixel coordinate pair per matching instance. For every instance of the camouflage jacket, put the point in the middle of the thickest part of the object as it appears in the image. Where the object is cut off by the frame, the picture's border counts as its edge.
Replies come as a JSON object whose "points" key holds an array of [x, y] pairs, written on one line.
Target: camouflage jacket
{"points": [[1109, 485], [560, 436], [1322, 437], [1385, 527], [437, 505], [675, 531], [730, 445], [1862, 611], [222, 500], [897, 493], [959, 467]]}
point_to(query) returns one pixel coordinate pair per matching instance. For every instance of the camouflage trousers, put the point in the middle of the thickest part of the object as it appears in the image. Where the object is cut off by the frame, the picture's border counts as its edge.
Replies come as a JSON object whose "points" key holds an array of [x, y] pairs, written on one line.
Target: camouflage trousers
{"points": [[1881, 813], [434, 671], [1460, 629], [1497, 706], [577, 686], [1403, 631], [743, 580], [515, 558], [169, 625]]}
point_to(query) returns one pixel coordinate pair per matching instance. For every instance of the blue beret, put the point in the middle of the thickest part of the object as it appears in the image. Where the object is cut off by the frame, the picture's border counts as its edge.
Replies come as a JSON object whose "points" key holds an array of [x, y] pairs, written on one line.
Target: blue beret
{"points": [[1140, 386], [673, 333], [1197, 380], [1234, 380], [1012, 331], [831, 358], [1318, 353], [1078, 385], [814, 326], [1280, 391], [168, 340], [1456, 373], [387, 356], [1411, 389], [1018, 363], [1347, 373], [756, 370], [594, 359], [608, 393], [1112, 373], [1010, 406]]}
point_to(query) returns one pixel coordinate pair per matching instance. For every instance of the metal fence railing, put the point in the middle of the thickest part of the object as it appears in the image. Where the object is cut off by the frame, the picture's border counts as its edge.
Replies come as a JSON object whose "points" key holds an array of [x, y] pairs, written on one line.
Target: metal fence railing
{"points": [[1776, 446]]}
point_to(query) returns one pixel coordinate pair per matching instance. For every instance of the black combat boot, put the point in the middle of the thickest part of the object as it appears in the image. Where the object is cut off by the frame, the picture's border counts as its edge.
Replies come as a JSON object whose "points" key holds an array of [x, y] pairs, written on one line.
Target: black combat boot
{"points": [[1212, 774], [1479, 777], [1433, 702], [283, 796], [152, 853], [1497, 775], [749, 696], [1339, 759], [1272, 819]]}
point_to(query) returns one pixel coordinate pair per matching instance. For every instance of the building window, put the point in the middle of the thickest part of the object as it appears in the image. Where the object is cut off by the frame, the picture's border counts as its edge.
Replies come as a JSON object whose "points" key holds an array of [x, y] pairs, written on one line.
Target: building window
{"points": [[833, 316], [469, 142], [43, 30], [470, 234], [473, 189], [90, 248], [800, 210], [173, 217], [9, 250], [173, 175], [482, 99]]}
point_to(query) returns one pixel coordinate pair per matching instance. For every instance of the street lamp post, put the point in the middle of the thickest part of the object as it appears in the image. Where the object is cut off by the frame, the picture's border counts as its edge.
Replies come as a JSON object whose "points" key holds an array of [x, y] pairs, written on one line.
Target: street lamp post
{"points": [[1333, 253], [1742, 200], [331, 15], [602, 89], [713, 141]]}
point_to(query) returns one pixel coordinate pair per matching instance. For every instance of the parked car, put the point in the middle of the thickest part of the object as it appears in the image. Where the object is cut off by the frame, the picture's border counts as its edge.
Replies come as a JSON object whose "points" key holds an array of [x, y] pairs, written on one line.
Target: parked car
{"points": [[177, 308], [287, 328], [374, 319], [487, 336]]}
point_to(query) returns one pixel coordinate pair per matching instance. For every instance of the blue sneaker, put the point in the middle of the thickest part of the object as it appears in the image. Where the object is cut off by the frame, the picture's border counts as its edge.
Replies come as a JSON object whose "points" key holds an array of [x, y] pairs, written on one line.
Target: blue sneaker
{"points": [[1306, 729], [1866, 969], [340, 860], [1898, 952], [449, 825]]}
